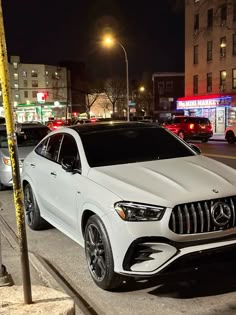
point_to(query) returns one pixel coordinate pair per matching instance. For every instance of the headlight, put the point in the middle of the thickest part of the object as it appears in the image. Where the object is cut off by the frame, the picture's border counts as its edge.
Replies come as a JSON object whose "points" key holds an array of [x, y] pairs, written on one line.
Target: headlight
{"points": [[132, 211], [6, 161]]}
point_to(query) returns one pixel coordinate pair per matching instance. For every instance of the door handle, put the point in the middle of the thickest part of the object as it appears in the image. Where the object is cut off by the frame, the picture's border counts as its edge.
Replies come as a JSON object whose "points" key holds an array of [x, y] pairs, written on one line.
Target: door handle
{"points": [[53, 174], [32, 165]]}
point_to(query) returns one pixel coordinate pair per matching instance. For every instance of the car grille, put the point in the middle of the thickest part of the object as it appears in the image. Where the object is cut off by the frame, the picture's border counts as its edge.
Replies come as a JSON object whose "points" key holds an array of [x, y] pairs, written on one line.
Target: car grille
{"points": [[200, 217]]}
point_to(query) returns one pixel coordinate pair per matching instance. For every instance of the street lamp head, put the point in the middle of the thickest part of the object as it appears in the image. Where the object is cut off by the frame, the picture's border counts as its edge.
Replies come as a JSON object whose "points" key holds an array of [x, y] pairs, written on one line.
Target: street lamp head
{"points": [[108, 41], [142, 89]]}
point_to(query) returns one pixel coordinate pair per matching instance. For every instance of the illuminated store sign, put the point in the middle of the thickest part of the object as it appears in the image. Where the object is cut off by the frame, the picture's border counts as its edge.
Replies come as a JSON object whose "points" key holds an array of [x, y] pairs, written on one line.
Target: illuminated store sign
{"points": [[204, 103]]}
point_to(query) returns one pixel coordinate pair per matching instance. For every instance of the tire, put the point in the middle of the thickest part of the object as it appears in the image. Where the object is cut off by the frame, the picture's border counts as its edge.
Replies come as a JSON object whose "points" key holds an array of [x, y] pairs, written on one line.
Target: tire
{"points": [[204, 140], [32, 212], [181, 134], [99, 255], [230, 137]]}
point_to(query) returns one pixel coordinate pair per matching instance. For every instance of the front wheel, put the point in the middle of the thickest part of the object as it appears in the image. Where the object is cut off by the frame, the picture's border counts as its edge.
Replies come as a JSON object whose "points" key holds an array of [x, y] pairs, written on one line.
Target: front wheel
{"points": [[99, 255], [32, 213]]}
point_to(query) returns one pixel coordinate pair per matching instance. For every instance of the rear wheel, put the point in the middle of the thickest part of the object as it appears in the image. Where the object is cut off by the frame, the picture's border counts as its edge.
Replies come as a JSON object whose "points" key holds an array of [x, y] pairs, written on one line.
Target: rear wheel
{"points": [[32, 212], [230, 137], [99, 255], [205, 139]]}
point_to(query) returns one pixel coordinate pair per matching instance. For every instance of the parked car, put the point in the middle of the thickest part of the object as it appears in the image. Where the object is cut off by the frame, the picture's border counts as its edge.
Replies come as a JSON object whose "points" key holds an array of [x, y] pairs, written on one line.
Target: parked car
{"points": [[28, 136], [230, 134], [55, 124], [137, 197], [2, 120], [191, 128]]}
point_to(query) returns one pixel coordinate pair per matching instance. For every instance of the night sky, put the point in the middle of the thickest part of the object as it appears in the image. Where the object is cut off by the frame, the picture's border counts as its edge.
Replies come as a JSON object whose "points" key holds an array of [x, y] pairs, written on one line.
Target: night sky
{"points": [[50, 31]]}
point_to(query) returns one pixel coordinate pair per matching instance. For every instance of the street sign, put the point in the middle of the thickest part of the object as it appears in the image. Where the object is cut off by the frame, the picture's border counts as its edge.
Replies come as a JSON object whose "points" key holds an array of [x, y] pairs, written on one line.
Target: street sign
{"points": [[132, 103]]}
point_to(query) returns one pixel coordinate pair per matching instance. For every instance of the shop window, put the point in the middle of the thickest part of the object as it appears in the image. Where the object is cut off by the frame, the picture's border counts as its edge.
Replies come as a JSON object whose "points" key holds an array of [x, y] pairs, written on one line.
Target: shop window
{"points": [[209, 82], [34, 83], [34, 94], [24, 74], [195, 54], [234, 44], [223, 47], [223, 75], [233, 78], [25, 83], [209, 50], [195, 84], [196, 24], [26, 94], [34, 73], [209, 18]]}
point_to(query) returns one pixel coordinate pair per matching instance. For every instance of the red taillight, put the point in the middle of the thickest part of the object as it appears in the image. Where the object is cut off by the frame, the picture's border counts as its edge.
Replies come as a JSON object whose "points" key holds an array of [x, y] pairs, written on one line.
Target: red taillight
{"points": [[93, 120], [191, 126]]}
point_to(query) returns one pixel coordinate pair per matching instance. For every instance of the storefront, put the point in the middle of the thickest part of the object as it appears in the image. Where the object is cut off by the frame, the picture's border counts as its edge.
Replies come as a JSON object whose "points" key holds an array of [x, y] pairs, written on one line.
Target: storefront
{"points": [[220, 109], [40, 112]]}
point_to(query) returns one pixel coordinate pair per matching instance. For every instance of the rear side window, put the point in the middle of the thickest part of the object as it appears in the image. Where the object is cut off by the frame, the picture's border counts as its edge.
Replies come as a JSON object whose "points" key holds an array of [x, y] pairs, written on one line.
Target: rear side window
{"points": [[50, 147], [177, 120]]}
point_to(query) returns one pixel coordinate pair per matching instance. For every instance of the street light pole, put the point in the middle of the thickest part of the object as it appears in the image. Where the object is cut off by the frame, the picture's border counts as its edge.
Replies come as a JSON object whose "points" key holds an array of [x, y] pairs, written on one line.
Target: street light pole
{"points": [[127, 79]]}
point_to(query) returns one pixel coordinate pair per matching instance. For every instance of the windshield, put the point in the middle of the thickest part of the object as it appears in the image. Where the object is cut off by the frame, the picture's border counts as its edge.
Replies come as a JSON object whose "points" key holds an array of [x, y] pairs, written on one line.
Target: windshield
{"points": [[120, 146], [27, 137]]}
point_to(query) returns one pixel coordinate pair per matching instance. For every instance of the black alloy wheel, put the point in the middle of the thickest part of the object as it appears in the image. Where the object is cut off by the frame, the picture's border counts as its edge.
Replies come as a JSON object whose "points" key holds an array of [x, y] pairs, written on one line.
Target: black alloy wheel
{"points": [[32, 213], [204, 140], [99, 255]]}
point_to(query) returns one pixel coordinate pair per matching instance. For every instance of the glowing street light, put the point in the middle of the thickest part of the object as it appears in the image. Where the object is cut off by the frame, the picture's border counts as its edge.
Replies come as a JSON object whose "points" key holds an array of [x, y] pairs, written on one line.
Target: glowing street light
{"points": [[142, 89], [108, 42]]}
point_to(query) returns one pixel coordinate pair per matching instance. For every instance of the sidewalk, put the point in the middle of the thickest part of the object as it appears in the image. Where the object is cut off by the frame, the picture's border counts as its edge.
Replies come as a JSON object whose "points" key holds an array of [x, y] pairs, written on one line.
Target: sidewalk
{"points": [[218, 137]]}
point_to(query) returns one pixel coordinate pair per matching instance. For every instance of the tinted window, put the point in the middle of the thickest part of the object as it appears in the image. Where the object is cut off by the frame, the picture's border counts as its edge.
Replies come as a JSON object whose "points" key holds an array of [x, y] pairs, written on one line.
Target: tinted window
{"points": [[53, 147], [68, 148], [42, 147], [119, 146]]}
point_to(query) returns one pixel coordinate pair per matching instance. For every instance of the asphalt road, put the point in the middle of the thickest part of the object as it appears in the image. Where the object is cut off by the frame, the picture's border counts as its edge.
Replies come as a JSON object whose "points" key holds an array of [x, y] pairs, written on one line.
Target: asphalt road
{"points": [[197, 293]]}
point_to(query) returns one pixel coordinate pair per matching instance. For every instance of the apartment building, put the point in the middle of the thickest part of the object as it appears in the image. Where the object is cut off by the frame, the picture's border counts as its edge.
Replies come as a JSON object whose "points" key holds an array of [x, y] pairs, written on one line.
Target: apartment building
{"points": [[210, 61], [38, 91]]}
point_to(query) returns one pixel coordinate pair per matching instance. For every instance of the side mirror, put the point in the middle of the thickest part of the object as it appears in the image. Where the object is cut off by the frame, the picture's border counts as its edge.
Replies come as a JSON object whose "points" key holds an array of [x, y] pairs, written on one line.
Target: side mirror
{"points": [[71, 164], [196, 148]]}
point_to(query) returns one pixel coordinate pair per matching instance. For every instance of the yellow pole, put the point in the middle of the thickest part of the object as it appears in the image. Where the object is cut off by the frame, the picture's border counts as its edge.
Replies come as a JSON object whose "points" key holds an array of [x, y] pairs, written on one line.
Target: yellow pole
{"points": [[13, 150]]}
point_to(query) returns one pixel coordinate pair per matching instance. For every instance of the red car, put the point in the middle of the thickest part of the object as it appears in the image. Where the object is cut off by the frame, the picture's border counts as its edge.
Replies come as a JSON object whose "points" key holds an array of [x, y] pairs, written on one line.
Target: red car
{"points": [[55, 124], [191, 128]]}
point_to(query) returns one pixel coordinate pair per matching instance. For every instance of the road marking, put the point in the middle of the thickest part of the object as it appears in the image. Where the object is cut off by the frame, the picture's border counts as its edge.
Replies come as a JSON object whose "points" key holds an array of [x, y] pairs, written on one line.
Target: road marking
{"points": [[221, 156]]}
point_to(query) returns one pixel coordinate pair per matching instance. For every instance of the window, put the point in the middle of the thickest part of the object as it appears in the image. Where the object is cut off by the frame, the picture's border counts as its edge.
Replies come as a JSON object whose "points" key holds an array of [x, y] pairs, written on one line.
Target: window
{"points": [[195, 55], [223, 47], [196, 23], [222, 80], [34, 93], [234, 10], [233, 78], [46, 83], [161, 86], [53, 147], [46, 73], [69, 149], [34, 83], [169, 86], [16, 76], [24, 73], [16, 85], [25, 83], [234, 44], [223, 14], [17, 96], [26, 94], [15, 65], [209, 18], [195, 84], [209, 82], [34, 73], [209, 50]]}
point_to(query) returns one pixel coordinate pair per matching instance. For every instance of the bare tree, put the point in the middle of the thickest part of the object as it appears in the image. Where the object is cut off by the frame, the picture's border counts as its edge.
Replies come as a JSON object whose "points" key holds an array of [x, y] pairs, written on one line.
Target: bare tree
{"points": [[115, 91], [92, 92]]}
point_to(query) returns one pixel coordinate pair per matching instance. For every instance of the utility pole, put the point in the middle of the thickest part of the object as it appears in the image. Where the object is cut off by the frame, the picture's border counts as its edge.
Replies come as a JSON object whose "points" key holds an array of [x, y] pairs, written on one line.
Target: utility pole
{"points": [[13, 150]]}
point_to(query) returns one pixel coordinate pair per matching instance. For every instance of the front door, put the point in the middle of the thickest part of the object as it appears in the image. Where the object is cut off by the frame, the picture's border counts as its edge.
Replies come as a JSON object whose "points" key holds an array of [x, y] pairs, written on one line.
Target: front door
{"points": [[220, 120]]}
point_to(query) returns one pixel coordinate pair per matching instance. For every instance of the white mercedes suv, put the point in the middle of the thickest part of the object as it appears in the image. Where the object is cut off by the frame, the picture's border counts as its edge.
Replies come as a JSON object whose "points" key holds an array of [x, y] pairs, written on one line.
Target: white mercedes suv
{"points": [[136, 196]]}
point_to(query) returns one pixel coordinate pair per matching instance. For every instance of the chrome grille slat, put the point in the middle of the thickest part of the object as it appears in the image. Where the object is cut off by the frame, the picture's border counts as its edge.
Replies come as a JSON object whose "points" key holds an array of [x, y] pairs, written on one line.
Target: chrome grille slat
{"points": [[196, 217], [208, 216], [180, 219], [187, 216], [201, 216]]}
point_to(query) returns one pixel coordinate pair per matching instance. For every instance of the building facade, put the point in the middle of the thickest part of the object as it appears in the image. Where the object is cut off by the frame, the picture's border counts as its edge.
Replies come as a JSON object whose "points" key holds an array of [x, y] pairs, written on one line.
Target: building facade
{"points": [[167, 88], [38, 92], [210, 61]]}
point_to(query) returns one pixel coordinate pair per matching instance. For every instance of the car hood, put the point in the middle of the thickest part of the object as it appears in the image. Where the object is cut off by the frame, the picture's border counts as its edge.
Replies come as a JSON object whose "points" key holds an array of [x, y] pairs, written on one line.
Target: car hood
{"points": [[168, 182], [22, 152]]}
